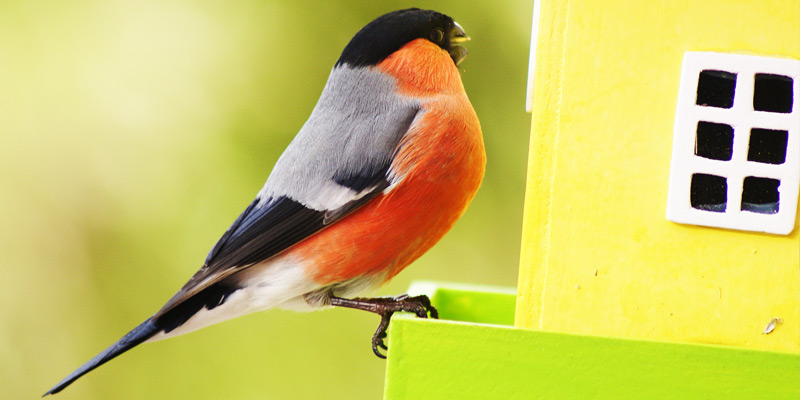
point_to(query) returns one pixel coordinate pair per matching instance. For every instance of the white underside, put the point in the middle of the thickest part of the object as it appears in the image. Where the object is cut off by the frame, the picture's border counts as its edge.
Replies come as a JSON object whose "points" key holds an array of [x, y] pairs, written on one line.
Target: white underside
{"points": [[279, 282]]}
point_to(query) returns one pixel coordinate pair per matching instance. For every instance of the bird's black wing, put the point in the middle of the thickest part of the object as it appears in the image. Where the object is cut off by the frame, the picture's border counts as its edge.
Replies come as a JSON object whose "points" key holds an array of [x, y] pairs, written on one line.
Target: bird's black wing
{"points": [[261, 231]]}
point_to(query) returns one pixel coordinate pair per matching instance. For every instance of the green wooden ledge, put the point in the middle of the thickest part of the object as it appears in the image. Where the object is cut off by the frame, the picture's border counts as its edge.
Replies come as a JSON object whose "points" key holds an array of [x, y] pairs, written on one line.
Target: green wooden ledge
{"points": [[474, 352]]}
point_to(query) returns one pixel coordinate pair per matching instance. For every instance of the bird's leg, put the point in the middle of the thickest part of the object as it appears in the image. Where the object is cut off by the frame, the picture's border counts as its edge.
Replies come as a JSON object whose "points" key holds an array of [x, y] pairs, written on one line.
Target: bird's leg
{"points": [[385, 307]]}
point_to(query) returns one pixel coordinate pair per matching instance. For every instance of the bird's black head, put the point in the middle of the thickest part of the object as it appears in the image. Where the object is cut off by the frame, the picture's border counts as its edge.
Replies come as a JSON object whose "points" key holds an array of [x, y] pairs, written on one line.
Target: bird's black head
{"points": [[389, 32]]}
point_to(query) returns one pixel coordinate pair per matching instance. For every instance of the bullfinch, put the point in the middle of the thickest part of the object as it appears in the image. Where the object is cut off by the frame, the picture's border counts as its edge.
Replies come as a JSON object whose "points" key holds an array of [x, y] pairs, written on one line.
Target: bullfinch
{"points": [[389, 159]]}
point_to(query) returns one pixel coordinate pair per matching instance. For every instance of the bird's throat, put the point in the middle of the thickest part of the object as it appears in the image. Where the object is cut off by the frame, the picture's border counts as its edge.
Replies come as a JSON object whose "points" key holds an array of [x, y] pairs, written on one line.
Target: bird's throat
{"points": [[422, 68]]}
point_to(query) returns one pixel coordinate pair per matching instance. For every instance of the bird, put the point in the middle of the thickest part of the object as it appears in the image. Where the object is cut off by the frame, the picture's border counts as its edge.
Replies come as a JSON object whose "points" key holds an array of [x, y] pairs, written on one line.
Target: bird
{"points": [[390, 157]]}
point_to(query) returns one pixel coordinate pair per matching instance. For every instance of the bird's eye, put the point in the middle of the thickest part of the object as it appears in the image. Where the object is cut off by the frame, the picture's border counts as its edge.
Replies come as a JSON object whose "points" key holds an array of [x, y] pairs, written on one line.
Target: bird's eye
{"points": [[437, 35]]}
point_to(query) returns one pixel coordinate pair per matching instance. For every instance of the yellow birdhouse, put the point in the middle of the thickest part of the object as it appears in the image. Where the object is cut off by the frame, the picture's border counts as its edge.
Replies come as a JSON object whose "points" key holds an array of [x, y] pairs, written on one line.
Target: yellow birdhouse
{"points": [[665, 143]]}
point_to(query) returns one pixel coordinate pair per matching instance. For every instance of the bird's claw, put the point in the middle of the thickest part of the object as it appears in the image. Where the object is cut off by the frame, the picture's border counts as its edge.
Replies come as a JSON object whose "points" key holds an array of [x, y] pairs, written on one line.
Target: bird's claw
{"points": [[380, 334], [387, 306]]}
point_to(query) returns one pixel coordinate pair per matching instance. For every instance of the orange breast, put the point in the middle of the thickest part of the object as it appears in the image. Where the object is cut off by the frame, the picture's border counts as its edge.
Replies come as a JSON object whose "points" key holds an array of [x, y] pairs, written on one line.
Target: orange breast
{"points": [[441, 163]]}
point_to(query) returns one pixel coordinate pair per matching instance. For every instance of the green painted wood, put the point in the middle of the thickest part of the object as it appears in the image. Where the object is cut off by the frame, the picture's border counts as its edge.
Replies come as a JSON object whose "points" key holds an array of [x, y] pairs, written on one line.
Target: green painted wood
{"points": [[462, 304], [431, 359]]}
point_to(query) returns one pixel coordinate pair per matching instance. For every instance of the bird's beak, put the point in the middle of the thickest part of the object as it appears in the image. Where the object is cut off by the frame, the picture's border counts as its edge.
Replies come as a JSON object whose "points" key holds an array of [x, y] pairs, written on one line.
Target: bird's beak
{"points": [[457, 36]]}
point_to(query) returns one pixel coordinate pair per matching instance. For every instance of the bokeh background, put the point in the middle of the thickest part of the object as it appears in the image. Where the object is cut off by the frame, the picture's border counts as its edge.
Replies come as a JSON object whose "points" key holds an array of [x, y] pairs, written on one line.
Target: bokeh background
{"points": [[132, 133]]}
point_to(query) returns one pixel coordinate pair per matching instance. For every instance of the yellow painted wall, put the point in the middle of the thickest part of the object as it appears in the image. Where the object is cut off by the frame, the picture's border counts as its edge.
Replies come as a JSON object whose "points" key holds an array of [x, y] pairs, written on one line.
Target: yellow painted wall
{"points": [[598, 255]]}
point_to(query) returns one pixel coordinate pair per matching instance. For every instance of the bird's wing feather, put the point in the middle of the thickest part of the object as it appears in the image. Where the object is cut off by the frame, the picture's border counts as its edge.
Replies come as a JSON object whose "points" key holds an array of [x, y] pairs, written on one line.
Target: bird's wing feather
{"points": [[258, 234]]}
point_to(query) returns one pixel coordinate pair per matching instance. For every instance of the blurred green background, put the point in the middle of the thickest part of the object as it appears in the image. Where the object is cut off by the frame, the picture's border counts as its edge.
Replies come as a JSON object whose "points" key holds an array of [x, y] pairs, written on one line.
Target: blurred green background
{"points": [[132, 133]]}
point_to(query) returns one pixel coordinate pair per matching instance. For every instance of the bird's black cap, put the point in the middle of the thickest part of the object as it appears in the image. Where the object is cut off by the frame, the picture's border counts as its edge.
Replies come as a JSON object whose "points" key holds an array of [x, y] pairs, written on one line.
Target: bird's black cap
{"points": [[389, 32]]}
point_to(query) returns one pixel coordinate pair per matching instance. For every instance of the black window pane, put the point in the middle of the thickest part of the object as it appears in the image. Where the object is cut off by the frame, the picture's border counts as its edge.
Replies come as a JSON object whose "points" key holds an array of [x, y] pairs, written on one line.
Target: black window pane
{"points": [[716, 88], [714, 141], [773, 93], [760, 195], [709, 192], [767, 146]]}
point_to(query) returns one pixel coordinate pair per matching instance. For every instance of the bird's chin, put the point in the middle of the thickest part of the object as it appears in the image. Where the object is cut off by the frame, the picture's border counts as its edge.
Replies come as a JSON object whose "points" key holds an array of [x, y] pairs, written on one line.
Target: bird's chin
{"points": [[458, 54]]}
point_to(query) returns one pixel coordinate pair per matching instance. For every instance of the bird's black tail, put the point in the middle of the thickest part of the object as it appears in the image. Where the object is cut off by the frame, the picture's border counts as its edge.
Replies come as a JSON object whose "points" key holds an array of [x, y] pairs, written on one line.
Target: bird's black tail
{"points": [[144, 331]]}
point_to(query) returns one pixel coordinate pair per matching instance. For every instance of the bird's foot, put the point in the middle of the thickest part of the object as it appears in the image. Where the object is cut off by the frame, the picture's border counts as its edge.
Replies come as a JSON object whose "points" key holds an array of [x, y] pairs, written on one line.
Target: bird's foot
{"points": [[386, 307]]}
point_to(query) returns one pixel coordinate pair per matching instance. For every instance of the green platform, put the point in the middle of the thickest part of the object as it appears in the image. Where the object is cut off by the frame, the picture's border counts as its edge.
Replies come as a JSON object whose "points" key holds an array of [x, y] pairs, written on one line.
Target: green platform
{"points": [[474, 352]]}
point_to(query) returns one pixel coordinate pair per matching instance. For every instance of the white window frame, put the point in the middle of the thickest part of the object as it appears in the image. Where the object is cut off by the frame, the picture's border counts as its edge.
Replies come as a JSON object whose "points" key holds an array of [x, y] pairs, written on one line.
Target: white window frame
{"points": [[742, 117]]}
